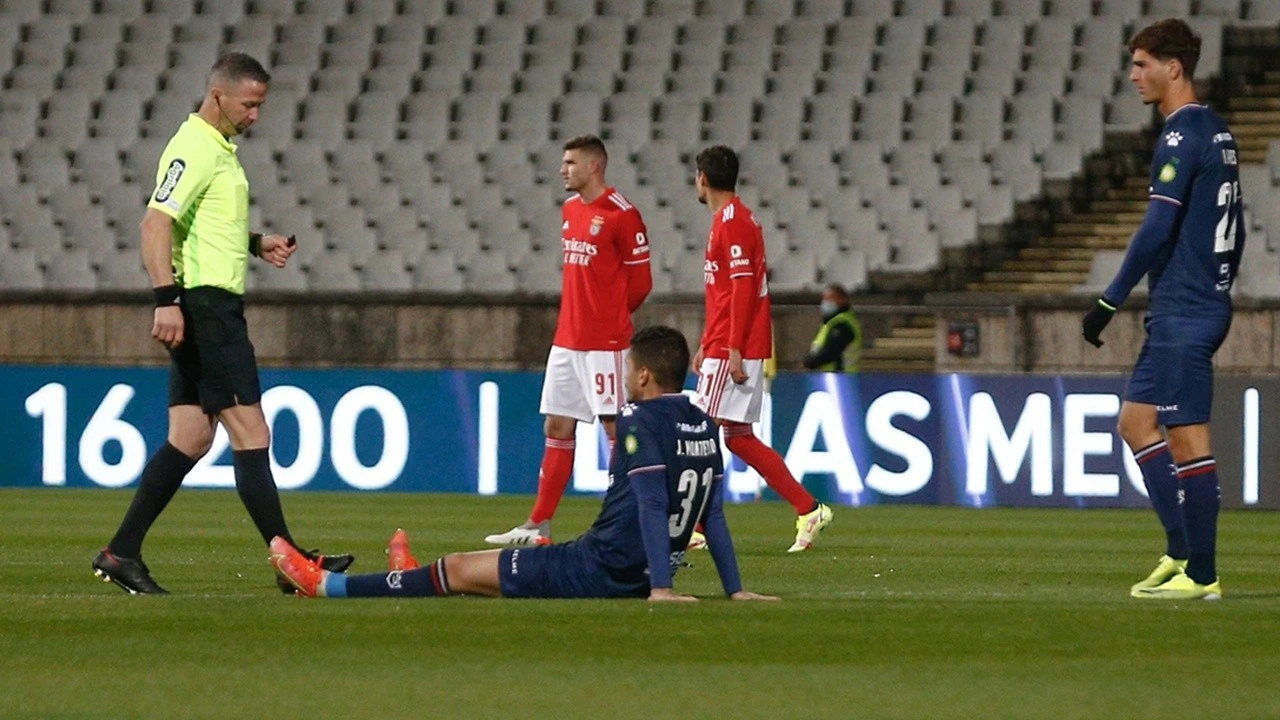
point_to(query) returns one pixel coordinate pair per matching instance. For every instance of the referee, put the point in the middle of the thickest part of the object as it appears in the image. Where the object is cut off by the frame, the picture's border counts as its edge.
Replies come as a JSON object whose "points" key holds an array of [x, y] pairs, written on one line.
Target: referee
{"points": [[196, 246]]}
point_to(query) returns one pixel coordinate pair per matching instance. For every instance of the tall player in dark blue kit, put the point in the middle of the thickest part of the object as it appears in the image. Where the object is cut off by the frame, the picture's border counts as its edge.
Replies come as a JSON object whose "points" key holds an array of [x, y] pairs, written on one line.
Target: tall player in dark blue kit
{"points": [[1189, 246], [666, 478]]}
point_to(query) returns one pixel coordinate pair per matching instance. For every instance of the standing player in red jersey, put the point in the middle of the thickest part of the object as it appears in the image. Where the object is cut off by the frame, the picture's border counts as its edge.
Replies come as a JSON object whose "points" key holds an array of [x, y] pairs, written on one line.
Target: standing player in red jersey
{"points": [[739, 336], [606, 277]]}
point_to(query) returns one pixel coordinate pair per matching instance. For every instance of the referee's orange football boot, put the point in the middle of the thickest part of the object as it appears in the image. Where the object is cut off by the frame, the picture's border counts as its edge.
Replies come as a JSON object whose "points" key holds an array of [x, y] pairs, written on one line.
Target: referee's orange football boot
{"points": [[398, 555]]}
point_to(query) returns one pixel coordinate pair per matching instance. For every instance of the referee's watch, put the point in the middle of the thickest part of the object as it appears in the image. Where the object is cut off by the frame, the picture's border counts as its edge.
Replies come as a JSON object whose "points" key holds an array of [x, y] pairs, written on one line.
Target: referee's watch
{"points": [[255, 244]]}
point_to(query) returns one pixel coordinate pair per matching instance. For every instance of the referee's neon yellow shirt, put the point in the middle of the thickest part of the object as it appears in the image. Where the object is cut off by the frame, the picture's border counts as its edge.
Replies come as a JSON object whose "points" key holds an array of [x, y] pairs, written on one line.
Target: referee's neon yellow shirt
{"points": [[201, 185]]}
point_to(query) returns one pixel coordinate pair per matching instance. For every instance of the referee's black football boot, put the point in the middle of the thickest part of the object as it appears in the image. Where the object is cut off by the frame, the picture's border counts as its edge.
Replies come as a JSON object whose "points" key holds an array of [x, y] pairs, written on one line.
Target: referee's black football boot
{"points": [[332, 563], [131, 574]]}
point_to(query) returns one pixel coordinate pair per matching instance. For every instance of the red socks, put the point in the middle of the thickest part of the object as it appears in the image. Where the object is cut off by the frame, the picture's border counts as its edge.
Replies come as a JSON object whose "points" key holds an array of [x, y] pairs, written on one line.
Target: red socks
{"points": [[553, 478], [766, 461]]}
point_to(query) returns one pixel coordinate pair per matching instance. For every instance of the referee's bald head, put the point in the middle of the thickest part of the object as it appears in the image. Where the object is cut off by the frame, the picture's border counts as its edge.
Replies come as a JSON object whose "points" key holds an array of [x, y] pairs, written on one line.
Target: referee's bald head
{"points": [[236, 67]]}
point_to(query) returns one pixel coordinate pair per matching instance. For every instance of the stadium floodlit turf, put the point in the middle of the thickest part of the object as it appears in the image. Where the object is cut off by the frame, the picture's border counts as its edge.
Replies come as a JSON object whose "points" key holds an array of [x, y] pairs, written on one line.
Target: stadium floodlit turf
{"points": [[900, 612]]}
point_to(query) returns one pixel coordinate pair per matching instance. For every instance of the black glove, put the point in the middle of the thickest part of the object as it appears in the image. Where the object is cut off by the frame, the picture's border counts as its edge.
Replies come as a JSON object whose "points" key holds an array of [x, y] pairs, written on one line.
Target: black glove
{"points": [[1096, 320]]}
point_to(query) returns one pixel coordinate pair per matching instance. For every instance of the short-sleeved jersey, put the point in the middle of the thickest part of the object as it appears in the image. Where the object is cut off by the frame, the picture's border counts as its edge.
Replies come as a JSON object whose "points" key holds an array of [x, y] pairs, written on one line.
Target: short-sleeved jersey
{"points": [[201, 185], [667, 434], [600, 239], [735, 249], [1196, 167]]}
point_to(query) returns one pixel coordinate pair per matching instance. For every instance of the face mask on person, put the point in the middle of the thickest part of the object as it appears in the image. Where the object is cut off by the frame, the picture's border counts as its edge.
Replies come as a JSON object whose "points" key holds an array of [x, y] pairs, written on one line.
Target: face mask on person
{"points": [[829, 309]]}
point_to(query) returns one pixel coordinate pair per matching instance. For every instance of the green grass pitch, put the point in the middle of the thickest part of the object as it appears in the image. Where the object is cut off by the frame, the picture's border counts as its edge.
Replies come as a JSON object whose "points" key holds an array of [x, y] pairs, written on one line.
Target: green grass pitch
{"points": [[900, 612]]}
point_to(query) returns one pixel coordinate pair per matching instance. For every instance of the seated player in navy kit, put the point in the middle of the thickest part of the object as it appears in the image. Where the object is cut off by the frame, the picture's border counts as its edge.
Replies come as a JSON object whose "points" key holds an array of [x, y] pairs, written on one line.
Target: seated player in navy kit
{"points": [[666, 478]]}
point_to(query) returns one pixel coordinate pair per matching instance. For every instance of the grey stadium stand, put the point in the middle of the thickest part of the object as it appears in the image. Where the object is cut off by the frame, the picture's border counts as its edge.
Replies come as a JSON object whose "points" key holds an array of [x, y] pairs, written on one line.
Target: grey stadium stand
{"points": [[417, 143]]}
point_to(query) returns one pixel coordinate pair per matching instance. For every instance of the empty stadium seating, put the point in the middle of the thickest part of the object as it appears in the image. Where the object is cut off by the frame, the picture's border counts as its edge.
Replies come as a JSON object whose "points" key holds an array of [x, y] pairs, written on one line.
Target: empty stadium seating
{"points": [[414, 145]]}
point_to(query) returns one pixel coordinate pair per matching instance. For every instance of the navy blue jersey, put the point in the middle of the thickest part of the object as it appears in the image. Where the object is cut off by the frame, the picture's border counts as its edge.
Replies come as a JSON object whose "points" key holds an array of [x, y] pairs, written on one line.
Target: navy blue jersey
{"points": [[666, 449], [1196, 169]]}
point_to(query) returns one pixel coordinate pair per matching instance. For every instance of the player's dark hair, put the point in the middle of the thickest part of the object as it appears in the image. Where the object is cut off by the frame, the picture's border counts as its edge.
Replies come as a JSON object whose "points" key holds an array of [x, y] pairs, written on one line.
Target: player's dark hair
{"points": [[238, 66], [664, 352], [720, 165], [590, 143], [1170, 39]]}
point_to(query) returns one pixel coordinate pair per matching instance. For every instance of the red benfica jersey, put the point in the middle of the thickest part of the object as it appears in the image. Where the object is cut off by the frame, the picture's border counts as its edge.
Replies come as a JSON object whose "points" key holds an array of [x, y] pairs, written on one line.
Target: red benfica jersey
{"points": [[735, 250], [599, 240]]}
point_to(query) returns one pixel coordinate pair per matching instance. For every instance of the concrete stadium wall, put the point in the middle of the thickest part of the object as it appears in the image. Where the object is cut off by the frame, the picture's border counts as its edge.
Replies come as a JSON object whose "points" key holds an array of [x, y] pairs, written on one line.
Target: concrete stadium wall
{"points": [[1042, 339], [473, 333], [295, 332]]}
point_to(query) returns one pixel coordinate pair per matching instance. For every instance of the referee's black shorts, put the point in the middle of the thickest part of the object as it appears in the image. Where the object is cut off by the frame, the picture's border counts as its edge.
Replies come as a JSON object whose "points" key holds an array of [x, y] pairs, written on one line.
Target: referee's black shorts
{"points": [[214, 367]]}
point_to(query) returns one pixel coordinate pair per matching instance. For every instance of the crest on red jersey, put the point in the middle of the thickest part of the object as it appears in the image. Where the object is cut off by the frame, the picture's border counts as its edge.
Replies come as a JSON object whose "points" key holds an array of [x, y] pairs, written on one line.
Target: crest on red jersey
{"points": [[596, 223]]}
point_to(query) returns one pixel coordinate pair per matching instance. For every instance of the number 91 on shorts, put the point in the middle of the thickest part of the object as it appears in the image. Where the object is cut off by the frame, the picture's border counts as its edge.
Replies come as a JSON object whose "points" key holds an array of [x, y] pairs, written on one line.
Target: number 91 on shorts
{"points": [[583, 384]]}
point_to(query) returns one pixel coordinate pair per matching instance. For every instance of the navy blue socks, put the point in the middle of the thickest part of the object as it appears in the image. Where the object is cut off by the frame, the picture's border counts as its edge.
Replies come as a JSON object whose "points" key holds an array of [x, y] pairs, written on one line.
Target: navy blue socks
{"points": [[1161, 479], [426, 581], [1202, 498]]}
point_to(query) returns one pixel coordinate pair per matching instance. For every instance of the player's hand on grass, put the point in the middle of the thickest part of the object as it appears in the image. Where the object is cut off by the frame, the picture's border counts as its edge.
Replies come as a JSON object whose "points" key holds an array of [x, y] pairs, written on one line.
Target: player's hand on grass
{"points": [[668, 595], [168, 326], [1096, 320], [276, 249], [736, 373], [745, 595]]}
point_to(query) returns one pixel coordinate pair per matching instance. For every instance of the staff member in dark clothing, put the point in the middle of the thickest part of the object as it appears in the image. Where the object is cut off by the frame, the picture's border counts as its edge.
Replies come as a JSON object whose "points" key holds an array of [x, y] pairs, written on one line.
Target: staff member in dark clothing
{"points": [[196, 246], [838, 345]]}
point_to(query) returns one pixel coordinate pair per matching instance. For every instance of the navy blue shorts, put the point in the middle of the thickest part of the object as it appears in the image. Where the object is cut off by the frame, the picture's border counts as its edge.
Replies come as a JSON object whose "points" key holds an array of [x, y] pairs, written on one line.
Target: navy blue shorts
{"points": [[1174, 371], [560, 571]]}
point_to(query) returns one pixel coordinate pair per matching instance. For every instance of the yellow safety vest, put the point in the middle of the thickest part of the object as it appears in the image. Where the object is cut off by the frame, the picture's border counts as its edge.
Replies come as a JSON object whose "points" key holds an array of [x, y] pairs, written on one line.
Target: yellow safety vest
{"points": [[852, 355]]}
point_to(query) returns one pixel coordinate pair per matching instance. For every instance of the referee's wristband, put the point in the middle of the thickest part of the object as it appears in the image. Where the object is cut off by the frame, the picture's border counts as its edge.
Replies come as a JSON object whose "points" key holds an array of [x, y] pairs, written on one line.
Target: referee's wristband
{"points": [[167, 295], [255, 244]]}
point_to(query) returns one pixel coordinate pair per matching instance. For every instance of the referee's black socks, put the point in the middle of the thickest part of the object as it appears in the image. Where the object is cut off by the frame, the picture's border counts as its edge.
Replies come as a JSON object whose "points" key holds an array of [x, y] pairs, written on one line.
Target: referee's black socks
{"points": [[258, 493], [161, 478]]}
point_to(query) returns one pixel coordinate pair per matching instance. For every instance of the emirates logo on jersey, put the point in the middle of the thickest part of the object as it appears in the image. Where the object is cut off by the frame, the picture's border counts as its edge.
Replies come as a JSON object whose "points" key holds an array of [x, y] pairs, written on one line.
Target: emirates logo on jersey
{"points": [[709, 270], [578, 252]]}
